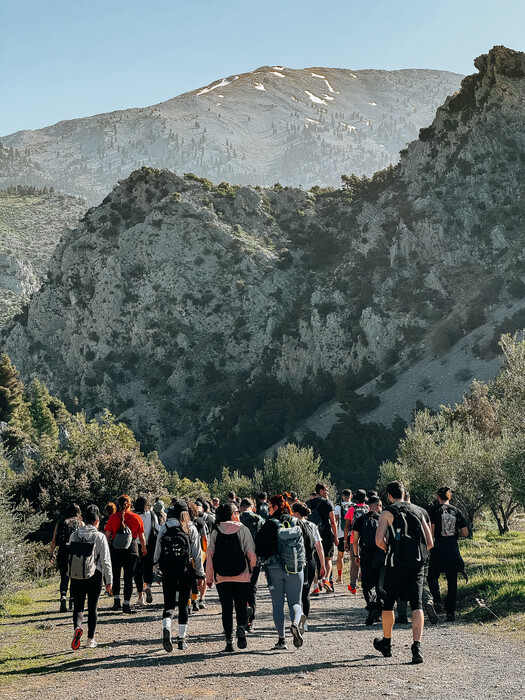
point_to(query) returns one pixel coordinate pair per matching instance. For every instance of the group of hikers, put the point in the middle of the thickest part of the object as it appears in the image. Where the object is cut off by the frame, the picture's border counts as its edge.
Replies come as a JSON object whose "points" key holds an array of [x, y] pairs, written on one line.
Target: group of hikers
{"points": [[397, 552]]}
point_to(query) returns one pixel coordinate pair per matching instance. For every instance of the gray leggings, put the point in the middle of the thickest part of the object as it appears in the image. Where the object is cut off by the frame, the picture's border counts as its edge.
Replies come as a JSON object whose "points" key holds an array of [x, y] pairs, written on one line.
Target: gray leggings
{"points": [[280, 584]]}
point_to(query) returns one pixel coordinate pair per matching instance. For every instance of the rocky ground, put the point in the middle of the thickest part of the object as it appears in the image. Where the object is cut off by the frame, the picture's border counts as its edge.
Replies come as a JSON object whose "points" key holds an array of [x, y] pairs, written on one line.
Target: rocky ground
{"points": [[461, 661]]}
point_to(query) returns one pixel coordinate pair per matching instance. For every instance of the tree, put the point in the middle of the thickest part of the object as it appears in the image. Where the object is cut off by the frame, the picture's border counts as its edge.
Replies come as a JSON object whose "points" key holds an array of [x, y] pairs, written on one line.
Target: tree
{"points": [[42, 418], [241, 485], [13, 408], [186, 488], [293, 468]]}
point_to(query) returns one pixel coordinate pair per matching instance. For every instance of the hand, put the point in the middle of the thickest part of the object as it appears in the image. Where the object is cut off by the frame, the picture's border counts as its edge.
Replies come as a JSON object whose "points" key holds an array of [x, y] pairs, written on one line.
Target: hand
{"points": [[144, 551], [322, 572], [336, 540], [109, 589], [357, 560], [210, 584], [347, 547]]}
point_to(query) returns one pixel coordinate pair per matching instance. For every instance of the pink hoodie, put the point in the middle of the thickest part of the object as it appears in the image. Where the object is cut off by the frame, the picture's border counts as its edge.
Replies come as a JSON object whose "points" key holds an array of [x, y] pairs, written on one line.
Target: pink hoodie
{"points": [[247, 545]]}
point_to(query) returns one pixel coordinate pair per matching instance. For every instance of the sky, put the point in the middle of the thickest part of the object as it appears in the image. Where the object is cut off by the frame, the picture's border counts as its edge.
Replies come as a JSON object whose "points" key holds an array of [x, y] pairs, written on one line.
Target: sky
{"points": [[63, 59]]}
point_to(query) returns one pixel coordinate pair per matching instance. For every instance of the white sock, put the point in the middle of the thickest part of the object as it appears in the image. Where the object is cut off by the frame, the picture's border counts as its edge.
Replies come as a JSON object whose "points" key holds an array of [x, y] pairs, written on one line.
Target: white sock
{"points": [[297, 613], [127, 602], [182, 631], [166, 623]]}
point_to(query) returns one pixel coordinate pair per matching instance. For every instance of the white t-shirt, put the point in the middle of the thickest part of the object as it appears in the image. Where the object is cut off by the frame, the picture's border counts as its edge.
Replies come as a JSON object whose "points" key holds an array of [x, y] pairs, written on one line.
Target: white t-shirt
{"points": [[337, 513], [147, 520]]}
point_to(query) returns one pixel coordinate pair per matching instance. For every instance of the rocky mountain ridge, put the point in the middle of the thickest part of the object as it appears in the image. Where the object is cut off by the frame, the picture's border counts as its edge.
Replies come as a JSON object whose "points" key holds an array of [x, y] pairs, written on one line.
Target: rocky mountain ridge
{"points": [[275, 124], [215, 319]]}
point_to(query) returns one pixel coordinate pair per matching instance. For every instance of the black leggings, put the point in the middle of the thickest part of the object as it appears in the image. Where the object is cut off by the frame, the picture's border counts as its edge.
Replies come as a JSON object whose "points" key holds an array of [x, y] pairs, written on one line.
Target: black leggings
{"points": [[123, 560], [233, 593], [170, 585], [79, 589], [62, 561], [143, 573], [309, 575]]}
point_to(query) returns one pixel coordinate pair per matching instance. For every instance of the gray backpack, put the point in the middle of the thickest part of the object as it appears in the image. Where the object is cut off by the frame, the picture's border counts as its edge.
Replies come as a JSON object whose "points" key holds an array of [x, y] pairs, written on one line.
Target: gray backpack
{"points": [[81, 560]]}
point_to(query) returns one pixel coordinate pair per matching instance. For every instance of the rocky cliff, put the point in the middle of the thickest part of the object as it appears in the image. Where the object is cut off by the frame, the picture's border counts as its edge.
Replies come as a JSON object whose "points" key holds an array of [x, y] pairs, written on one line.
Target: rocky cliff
{"points": [[215, 319], [297, 127]]}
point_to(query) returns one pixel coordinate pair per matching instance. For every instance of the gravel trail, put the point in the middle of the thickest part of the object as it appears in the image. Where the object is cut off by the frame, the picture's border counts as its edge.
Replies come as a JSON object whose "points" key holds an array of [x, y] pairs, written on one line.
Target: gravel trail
{"points": [[337, 659]]}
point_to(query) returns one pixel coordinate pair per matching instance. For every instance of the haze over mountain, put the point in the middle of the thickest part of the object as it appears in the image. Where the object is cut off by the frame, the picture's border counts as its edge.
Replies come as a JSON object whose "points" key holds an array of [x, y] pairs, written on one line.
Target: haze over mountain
{"points": [[275, 124], [217, 320]]}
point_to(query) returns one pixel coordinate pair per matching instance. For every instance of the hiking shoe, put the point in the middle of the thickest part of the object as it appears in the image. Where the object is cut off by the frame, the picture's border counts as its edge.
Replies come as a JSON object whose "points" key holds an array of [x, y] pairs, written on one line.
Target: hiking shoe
{"points": [[63, 605], [315, 593], [241, 637], [141, 602], [372, 618], [166, 639], [302, 623], [126, 608], [182, 644], [281, 643], [328, 586], [76, 639], [297, 636], [417, 657], [451, 617], [149, 595], [91, 643], [229, 645], [353, 591], [202, 605], [401, 620], [116, 605], [431, 613], [194, 606], [384, 646], [250, 613]]}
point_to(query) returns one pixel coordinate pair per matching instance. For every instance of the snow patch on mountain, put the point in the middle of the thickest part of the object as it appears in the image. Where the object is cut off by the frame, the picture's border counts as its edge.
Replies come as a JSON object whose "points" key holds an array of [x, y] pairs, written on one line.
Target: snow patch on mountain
{"points": [[314, 98]]}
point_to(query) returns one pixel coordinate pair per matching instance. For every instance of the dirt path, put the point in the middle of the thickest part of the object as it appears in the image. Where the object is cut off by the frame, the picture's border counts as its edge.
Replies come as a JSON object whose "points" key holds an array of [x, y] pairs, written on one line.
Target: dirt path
{"points": [[337, 659]]}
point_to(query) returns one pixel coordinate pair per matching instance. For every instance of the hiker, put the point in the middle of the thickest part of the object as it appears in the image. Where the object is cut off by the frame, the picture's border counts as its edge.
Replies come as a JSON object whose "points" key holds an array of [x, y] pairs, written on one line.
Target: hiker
{"points": [[197, 594], [109, 509], [359, 508], [230, 563], [160, 512], [178, 555], [448, 524], [280, 546], [428, 603], [143, 573], [89, 566], [312, 545], [340, 512], [215, 502], [253, 522], [323, 516], [64, 528], [262, 505], [404, 535], [369, 557], [125, 533]]}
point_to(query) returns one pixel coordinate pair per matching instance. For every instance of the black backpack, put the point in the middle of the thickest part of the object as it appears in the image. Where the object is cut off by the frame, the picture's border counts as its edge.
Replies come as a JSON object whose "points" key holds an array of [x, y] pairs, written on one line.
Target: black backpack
{"points": [[315, 515], [65, 529], [175, 551], [406, 541], [228, 557], [367, 535], [252, 521], [309, 539]]}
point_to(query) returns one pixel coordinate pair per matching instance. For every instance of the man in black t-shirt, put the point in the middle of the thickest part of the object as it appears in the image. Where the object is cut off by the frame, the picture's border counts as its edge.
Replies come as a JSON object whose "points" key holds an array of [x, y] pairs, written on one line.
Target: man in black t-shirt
{"points": [[448, 524], [323, 516], [369, 557]]}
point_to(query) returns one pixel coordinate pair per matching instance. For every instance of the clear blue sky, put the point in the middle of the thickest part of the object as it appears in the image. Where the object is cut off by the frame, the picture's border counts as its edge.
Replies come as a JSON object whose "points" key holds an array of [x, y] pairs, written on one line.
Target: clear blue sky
{"points": [[63, 59]]}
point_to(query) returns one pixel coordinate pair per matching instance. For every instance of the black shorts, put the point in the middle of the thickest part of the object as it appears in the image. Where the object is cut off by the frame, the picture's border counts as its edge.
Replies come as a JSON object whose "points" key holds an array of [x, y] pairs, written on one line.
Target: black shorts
{"points": [[328, 547], [341, 545], [404, 583]]}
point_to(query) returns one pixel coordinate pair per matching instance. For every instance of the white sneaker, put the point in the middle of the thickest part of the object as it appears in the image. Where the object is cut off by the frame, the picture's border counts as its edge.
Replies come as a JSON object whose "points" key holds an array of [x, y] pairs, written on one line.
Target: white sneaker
{"points": [[91, 643], [141, 602]]}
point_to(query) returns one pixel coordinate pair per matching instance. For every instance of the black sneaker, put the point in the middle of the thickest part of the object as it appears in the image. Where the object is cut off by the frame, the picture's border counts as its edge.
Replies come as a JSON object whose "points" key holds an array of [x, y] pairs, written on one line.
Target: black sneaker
{"points": [[229, 645], [166, 639], [116, 605], [384, 646], [250, 613], [417, 657], [63, 605], [401, 620], [182, 644], [451, 617], [202, 605], [149, 595], [126, 608], [195, 606], [281, 643], [372, 618], [297, 636], [241, 637], [431, 613]]}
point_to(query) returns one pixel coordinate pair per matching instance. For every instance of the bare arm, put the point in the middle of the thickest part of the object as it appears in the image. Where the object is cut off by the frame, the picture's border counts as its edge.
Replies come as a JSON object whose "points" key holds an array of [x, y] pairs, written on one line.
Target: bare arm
{"points": [[385, 520], [428, 534], [348, 527], [356, 544], [320, 554]]}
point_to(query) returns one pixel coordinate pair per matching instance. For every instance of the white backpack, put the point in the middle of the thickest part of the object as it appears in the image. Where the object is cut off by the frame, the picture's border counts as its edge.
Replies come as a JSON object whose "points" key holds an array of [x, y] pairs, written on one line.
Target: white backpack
{"points": [[81, 561]]}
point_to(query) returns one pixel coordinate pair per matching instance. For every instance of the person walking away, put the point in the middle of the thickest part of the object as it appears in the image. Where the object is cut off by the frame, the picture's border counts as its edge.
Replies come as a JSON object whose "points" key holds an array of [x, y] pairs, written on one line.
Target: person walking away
{"points": [[196, 518], [262, 505], [125, 533], [351, 516], [340, 512], [253, 522], [280, 545], [62, 532], [109, 509], [404, 535], [89, 566], [312, 545], [143, 574], [178, 555], [369, 558], [323, 516], [448, 524], [231, 559], [160, 512]]}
